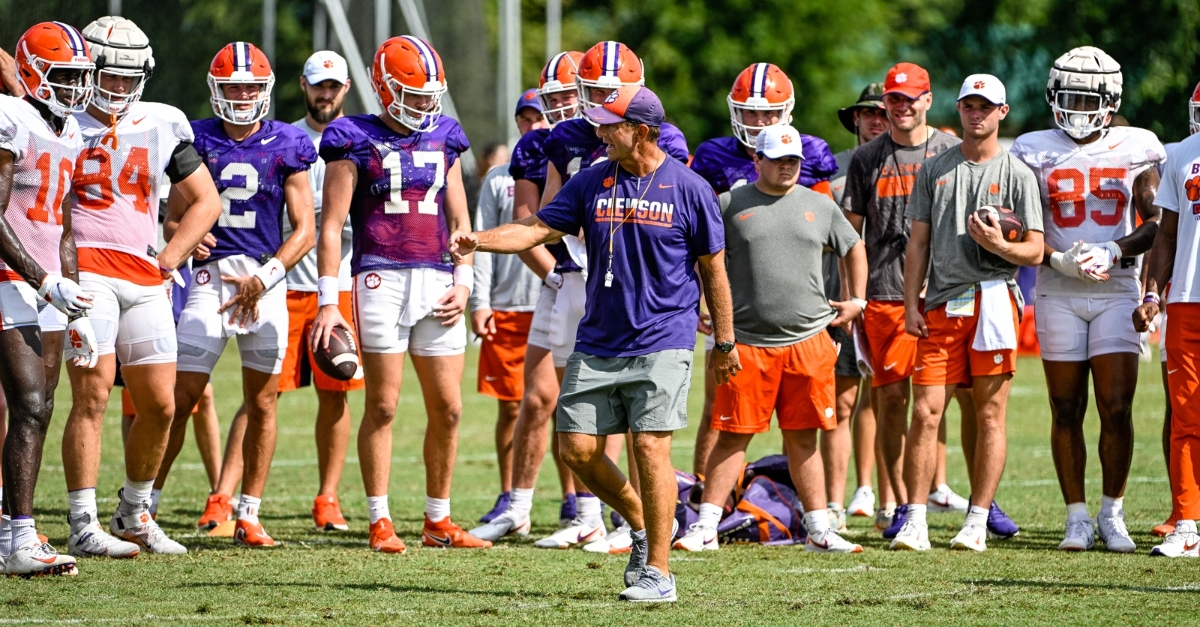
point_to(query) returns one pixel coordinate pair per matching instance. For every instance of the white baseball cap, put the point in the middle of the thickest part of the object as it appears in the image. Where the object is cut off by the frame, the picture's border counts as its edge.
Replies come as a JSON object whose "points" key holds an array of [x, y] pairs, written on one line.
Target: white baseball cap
{"points": [[984, 85], [779, 141], [324, 65]]}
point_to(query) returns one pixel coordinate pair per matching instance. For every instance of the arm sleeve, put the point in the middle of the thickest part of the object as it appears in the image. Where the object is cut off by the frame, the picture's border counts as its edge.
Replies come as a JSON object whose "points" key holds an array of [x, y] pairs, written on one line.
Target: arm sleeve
{"points": [[920, 203], [1167, 196], [487, 216], [184, 160]]}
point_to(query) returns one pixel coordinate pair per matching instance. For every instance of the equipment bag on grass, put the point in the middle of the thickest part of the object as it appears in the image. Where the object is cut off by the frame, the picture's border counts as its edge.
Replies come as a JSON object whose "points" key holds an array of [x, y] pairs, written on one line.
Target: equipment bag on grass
{"points": [[768, 513]]}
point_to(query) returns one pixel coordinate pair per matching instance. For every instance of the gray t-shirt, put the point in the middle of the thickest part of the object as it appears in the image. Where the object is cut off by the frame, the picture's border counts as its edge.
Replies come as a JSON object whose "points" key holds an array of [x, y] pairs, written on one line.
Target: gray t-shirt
{"points": [[950, 188], [878, 185], [773, 247], [829, 263]]}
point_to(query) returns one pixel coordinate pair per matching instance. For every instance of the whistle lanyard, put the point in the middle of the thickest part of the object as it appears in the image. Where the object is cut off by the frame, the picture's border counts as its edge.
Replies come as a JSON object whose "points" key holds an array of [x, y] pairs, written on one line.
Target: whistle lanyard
{"points": [[612, 230]]}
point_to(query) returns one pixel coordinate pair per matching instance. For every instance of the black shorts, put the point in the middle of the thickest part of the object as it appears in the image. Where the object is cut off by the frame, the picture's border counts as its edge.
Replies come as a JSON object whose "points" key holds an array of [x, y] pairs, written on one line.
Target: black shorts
{"points": [[847, 361]]}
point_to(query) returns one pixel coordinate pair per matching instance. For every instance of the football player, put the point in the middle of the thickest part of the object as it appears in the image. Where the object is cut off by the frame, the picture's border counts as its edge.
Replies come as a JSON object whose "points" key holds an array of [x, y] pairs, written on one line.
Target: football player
{"points": [[40, 143], [238, 289], [398, 176], [1093, 178], [128, 147]]}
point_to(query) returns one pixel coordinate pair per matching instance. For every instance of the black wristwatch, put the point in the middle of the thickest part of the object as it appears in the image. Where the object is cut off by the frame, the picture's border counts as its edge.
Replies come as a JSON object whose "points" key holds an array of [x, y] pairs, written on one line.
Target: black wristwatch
{"points": [[725, 347]]}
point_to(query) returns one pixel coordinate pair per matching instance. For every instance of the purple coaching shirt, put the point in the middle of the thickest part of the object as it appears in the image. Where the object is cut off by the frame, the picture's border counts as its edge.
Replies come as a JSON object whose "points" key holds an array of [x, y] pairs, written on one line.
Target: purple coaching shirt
{"points": [[653, 304], [250, 176], [725, 164], [396, 211]]}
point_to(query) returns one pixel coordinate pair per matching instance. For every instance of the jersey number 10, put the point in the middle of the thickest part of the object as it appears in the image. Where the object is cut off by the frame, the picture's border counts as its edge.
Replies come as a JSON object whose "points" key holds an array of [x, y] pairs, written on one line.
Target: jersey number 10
{"points": [[1077, 195]]}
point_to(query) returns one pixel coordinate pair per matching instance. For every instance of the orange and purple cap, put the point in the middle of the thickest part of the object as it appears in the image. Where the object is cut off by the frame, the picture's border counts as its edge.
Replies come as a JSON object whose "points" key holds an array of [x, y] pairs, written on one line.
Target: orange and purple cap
{"points": [[633, 103]]}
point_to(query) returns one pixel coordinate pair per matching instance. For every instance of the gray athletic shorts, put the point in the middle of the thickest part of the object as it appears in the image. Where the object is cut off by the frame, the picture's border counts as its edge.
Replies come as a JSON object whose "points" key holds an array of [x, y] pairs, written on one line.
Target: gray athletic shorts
{"points": [[609, 395]]}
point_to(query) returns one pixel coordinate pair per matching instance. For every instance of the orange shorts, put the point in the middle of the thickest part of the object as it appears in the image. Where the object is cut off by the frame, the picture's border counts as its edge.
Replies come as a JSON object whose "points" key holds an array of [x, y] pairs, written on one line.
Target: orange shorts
{"points": [[796, 382], [946, 356], [893, 352], [502, 359], [297, 372]]}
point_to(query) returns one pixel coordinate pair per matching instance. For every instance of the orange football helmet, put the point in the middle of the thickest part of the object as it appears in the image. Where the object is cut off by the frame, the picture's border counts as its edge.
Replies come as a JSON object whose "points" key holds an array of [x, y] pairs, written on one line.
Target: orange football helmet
{"points": [[407, 65], [558, 77], [1194, 109], [607, 65], [241, 63], [54, 47], [760, 87]]}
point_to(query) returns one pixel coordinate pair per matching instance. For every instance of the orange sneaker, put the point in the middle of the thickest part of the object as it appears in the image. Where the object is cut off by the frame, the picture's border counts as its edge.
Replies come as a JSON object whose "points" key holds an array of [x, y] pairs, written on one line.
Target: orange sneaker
{"points": [[447, 535], [217, 510], [1164, 529], [383, 538], [327, 514], [43, 539], [251, 534]]}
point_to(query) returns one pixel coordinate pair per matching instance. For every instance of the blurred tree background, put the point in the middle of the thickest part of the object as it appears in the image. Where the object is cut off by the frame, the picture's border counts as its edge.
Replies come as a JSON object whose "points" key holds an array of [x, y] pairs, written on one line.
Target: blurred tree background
{"points": [[694, 48]]}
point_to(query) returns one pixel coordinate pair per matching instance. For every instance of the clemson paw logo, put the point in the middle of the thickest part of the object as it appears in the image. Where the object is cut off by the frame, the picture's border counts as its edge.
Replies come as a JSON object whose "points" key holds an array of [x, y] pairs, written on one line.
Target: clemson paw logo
{"points": [[980, 84], [810, 216], [786, 138], [1192, 186], [76, 341], [901, 78], [608, 181], [612, 97], [202, 277], [529, 95], [372, 281], [328, 64]]}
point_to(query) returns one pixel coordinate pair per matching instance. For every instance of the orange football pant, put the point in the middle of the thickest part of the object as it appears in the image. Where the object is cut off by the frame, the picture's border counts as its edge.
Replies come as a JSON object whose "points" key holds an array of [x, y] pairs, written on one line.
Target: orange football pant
{"points": [[1183, 380]]}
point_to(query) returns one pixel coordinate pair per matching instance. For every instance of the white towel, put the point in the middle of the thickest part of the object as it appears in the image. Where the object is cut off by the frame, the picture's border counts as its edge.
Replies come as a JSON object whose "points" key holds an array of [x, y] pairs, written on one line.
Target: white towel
{"points": [[237, 265], [862, 350], [577, 249], [995, 329]]}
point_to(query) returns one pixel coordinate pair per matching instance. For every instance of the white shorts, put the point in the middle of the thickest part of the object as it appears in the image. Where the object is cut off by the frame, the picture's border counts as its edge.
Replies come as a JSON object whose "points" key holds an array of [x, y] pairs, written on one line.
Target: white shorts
{"points": [[203, 332], [1077, 328], [393, 312], [21, 307], [556, 318], [133, 321]]}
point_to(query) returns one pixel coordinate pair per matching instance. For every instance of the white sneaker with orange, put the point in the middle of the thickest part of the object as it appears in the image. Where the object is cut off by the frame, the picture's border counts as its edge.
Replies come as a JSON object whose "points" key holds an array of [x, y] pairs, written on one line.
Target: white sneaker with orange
{"points": [[970, 537]]}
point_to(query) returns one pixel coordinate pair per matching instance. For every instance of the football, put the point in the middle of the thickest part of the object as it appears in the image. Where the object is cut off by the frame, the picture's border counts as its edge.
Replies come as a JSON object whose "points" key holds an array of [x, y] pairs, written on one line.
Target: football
{"points": [[1008, 221], [340, 360]]}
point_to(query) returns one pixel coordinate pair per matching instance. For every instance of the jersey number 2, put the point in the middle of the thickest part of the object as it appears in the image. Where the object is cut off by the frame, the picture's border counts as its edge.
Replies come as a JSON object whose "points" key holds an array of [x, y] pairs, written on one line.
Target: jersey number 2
{"points": [[1077, 194], [421, 159], [248, 189]]}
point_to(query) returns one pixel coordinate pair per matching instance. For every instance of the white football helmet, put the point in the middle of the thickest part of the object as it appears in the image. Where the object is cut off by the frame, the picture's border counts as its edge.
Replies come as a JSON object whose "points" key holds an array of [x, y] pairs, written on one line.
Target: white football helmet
{"points": [[119, 48], [1084, 90], [1194, 110]]}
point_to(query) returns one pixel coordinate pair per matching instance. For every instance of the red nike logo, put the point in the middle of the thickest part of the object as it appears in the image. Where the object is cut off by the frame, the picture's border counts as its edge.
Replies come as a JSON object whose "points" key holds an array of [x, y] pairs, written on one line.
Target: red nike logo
{"points": [[139, 120], [1189, 547], [661, 186], [44, 560], [1116, 144], [745, 215]]}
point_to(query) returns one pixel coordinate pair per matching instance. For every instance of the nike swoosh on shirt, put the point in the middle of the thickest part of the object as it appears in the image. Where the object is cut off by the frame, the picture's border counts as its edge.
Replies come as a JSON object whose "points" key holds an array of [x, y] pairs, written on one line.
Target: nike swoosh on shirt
{"points": [[1116, 144], [661, 186], [1173, 371], [745, 215], [139, 120], [268, 140]]}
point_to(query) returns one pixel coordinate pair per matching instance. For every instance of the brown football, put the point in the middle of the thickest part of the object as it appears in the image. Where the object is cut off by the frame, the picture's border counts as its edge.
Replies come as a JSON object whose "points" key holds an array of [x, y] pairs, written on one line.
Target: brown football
{"points": [[1008, 221], [340, 359]]}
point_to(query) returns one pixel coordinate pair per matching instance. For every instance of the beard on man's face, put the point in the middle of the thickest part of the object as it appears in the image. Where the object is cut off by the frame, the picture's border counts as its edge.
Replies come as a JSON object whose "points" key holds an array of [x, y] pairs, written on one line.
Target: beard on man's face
{"points": [[322, 111]]}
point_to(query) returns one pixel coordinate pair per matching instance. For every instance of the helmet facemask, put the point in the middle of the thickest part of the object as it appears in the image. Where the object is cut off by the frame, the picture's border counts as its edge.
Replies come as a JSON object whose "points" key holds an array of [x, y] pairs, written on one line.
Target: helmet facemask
{"points": [[117, 103], [747, 132], [75, 79], [558, 113], [227, 108], [1194, 115], [420, 120], [1081, 113]]}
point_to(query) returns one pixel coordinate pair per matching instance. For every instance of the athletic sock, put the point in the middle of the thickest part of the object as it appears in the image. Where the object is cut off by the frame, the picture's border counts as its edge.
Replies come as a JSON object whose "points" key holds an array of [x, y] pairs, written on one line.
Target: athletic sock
{"points": [[155, 497], [248, 508], [23, 532], [1110, 507], [5, 535], [889, 508], [135, 496], [522, 502], [975, 516], [436, 510], [916, 514], [816, 522], [710, 515], [377, 507], [588, 506], [83, 508], [1075, 511]]}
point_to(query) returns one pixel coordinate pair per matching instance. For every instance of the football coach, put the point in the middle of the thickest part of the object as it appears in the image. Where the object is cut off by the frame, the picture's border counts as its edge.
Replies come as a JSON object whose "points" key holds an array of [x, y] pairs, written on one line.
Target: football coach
{"points": [[649, 222]]}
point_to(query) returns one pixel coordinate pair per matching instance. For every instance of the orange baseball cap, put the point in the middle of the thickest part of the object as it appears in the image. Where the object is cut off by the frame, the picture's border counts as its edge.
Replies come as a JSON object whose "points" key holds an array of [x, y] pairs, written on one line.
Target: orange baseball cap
{"points": [[908, 79]]}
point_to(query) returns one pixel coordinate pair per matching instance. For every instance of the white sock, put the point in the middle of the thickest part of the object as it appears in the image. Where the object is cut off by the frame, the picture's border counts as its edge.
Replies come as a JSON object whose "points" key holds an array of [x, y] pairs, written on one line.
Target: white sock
{"points": [[155, 497], [1075, 511], [377, 506], [975, 516], [710, 515], [436, 509], [83, 508], [135, 496], [248, 508], [942, 489], [916, 514], [588, 506], [817, 522], [5, 535], [522, 502], [1111, 507], [23, 532], [834, 505]]}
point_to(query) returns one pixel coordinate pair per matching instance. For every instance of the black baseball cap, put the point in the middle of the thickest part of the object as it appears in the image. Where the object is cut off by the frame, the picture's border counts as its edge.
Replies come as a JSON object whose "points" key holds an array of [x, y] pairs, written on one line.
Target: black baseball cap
{"points": [[871, 98]]}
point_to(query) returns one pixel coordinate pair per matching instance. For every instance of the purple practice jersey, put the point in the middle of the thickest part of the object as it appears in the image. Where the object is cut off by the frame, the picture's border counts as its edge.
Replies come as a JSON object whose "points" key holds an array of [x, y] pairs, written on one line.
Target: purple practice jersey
{"points": [[396, 211], [725, 164], [528, 161], [657, 233], [250, 177], [573, 145]]}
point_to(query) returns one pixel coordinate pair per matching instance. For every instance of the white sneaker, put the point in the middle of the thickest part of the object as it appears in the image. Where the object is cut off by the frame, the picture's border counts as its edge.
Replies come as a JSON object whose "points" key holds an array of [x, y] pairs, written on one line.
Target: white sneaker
{"points": [[945, 500], [912, 537], [970, 537], [863, 503], [617, 542], [1114, 534], [93, 541], [1183, 542], [1078, 535], [837, 518], [830, 542], [37, 559], [141, 529], [505, 524], [698, 538], [578, 532]]}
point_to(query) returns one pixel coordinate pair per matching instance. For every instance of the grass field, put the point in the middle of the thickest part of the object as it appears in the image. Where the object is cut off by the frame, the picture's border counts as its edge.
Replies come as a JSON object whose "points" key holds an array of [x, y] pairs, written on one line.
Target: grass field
{"points": [[335, 579]]}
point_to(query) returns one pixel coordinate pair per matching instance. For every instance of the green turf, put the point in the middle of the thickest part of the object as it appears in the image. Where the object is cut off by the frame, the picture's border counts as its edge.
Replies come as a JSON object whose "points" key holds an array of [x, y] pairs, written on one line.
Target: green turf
{"points": [[335, 579]]}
